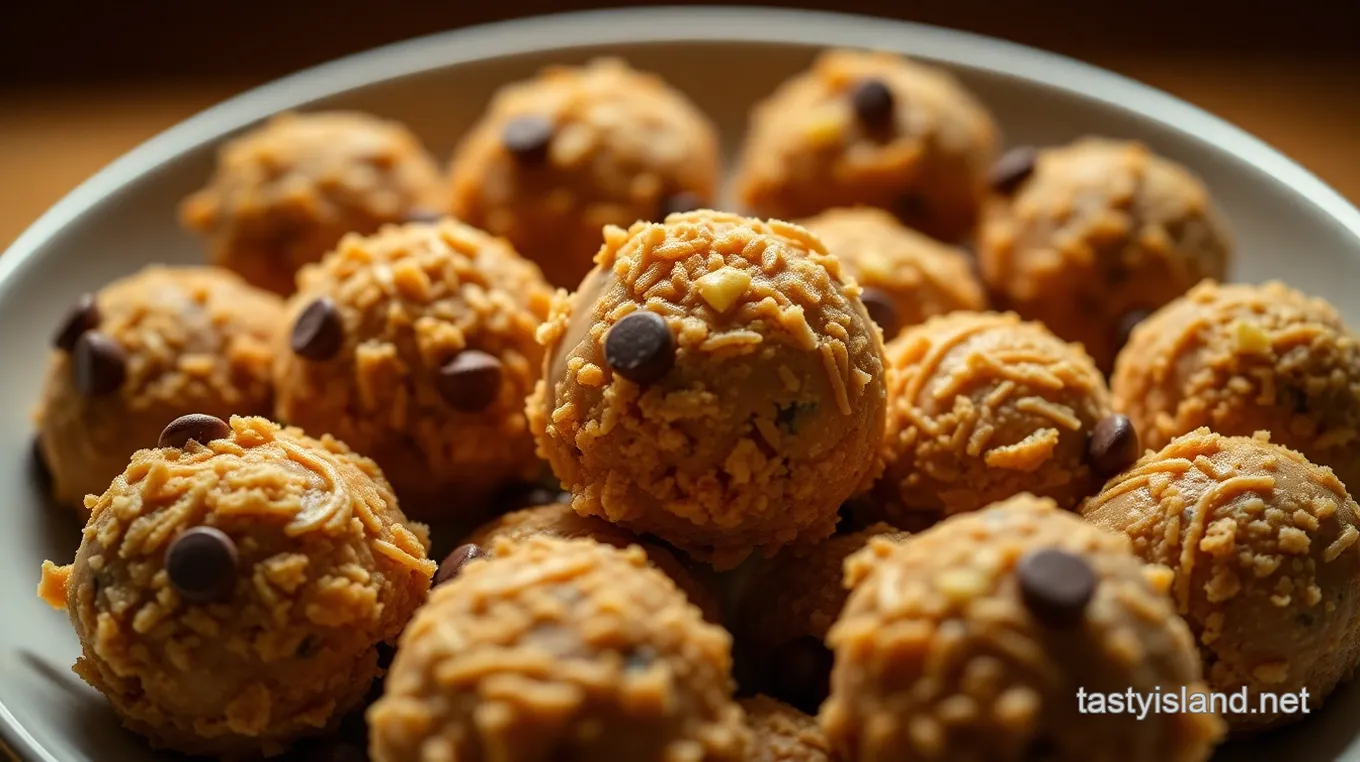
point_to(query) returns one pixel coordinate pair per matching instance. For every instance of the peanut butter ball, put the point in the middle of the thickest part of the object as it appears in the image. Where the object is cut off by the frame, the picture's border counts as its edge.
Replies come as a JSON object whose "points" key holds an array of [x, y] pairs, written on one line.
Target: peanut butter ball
{"points": [[972, 640], [233, 585], [285, 193], [780, 733], [558, 157], [715, 382], [1262, 544]]}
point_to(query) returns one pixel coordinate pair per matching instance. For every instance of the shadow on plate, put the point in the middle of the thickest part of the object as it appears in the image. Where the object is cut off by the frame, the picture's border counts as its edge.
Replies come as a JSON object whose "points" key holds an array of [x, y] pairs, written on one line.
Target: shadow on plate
{"points": [[1322, 736]]}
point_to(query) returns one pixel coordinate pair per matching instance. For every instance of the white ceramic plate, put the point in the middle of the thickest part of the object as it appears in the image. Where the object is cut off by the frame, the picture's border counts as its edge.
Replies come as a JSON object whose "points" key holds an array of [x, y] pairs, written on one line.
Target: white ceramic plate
{"points": [[1288, 224]]}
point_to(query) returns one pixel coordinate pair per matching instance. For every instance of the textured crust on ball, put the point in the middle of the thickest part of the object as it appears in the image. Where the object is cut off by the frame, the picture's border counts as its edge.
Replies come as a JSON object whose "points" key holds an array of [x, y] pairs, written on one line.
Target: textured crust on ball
{"points": [[983, 406], [411, 298], [558, 520], [328, 568], [938, 657], [923, 277], [1263, 547], [780, 733], [623, 142], [806, 152], [770, 416], [284, 194], [1100, 229], [197, 340], [559, 649], [1243, 358]]}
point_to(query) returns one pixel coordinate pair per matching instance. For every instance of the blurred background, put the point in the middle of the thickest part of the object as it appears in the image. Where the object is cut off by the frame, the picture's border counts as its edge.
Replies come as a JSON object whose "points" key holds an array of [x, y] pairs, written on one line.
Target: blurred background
{"points": [[82, 81]]}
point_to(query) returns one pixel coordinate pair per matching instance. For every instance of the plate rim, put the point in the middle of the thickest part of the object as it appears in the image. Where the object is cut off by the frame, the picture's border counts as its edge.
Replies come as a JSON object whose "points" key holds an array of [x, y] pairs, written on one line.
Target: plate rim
{"points": [[656, 25]]}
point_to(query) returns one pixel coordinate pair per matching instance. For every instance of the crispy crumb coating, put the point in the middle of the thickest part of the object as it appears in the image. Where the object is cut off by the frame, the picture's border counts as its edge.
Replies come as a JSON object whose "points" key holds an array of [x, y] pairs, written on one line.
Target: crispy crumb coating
{"points": [[559, 649], [781, 733], [1263, 547], [328, 568], [768, 419]]}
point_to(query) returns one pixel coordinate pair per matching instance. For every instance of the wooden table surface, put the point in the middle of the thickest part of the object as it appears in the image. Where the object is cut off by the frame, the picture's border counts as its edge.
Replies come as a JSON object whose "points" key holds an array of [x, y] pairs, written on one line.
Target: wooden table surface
{"points": [[54, 137]]}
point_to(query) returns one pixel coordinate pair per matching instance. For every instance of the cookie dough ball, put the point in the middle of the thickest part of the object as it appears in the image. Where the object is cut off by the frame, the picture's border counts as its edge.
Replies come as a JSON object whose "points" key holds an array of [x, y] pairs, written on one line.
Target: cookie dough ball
{"points": [[984, 406], [971, 640], [559, 649], [907, 277], [285, 193], [560, 521], [714, 382], [870, 129], [558, 157], [1243, 358], [781, 733], [788, 609], [1263, 547], [141, 352], [1087, 238], [233, 585], [416, 346]]}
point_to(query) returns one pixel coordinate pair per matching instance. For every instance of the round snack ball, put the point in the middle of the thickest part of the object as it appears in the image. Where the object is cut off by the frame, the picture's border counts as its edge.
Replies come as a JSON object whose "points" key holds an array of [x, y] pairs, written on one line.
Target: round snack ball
{"points": [[230, 596], [983, 406], [558, 520], [870, 129], [906, 276], [1263, 547], [285, 193], [141, 352], [780, 733], [972, 639], [558, 157], [559, 649], [714, 382], [1091, 235], [788, 609], [416, 347], [1243, 358]]}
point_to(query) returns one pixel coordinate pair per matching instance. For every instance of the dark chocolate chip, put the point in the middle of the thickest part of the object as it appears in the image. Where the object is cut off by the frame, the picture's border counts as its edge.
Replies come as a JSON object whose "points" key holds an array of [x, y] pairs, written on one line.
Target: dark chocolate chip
{"points": [[527, 138], [100, 364], [1127, 322], [196, 426], [1113, 446], [1056, 586], [882, 310], [83, 316], [201, 564], [424, 215], [1013, 168], [470, 381], [800, 672], [334, 750], [318, 332], [42, 473], [873, 103], [679, 203], [454, 562], [640, 347]]}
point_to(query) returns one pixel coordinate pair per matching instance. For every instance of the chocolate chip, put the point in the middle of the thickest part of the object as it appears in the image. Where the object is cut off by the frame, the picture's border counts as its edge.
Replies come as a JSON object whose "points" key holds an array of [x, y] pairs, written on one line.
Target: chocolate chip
{"points": [[335, 751], [1013, 168], [83, 316], [41, 472], [1056, 586], [196, 426], [881, 310], [100, 364], [527, 138], [454, 562], [424, 215], [201, 564], [318, 332], [1127, 322], [640, 347], [873, 102], [1113, 445], [800, 672], [470, 381], [679, 203]]}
